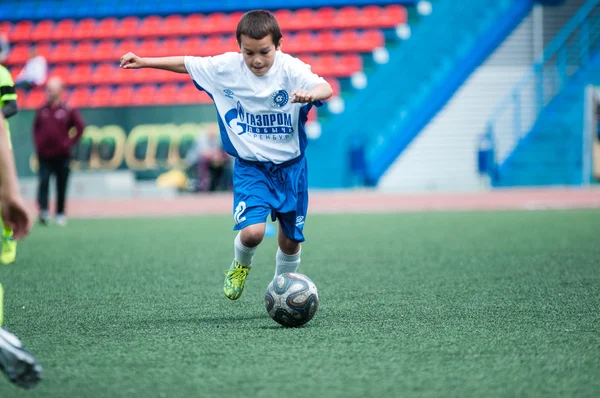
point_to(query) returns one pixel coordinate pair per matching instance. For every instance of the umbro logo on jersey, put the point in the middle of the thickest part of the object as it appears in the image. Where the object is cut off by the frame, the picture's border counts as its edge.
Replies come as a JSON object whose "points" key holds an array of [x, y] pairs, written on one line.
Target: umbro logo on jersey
{"points": [[228, 93]]}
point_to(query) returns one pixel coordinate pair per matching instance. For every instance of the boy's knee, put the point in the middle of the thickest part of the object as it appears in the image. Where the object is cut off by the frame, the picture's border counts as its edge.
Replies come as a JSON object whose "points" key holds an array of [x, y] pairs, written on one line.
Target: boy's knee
{"points": [[289, 246], [252, 236]]}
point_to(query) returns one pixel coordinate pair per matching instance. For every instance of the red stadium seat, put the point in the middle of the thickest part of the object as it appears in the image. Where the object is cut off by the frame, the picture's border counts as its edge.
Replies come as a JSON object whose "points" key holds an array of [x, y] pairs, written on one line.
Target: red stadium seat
{"points": [[81, 74], [18, 54], [170, 47], [193, 24], [324, 18], [101, 96], [106, 50], [32, 99], [128, 27], [372, 39], [347, 17], [105, 74], [284, 18], [122, 96], [150, 26], [167, 94], [62, 52], [44, 49], [303, 19], [324, 41], [43, 30], [63, 30], [174, 25], [127, 45], [61, 71], [145, 95], [79, 98], [349, 40], [107, 28], [392, 15], [148, 47], [21, 31], [217, 22], [86, 29], [189, 94], [6, 27], [84, 51]]}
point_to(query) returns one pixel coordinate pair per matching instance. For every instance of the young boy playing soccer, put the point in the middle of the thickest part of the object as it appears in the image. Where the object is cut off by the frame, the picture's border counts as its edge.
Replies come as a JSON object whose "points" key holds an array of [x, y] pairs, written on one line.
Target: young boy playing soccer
{"points": [[18, 364], [262, 97]]}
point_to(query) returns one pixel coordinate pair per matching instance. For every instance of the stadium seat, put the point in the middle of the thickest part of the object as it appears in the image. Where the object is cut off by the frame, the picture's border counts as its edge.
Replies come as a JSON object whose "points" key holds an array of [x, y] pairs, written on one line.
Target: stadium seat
{"points": [[174, 25], [145, 95], [18, 55], [80, 74], [192, 24], [107, 28], [323, 18], [166, 94], [151, 26], [84, 51], [64, 30], [122, 96], [32, 99], [79, 98], [106, 50], [21, 31], [101, 96], [86, 29], [128, 27], [61, 71], [104, 74], [62, 52], [42, 31], [392, 15], [347, 17]]}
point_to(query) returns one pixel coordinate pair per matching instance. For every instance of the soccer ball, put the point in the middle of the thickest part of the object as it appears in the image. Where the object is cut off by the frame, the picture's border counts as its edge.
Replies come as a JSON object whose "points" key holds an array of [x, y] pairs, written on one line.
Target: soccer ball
{"points": [[291, 299]]}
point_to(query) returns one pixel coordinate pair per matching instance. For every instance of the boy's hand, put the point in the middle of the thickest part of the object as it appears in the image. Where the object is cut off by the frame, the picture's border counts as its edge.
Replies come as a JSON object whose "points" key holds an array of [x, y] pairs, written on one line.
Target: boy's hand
{"points": [[132, 61], [302, 96]]}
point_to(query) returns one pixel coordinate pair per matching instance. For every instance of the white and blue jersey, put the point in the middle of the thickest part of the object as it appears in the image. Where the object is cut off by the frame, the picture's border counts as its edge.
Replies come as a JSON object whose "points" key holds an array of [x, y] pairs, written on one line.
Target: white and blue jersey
{"points": [[264, 131], [257, 119]]}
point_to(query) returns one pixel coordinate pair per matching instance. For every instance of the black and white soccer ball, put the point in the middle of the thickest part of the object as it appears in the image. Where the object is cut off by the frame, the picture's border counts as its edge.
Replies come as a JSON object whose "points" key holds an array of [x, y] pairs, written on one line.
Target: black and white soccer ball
{"points": [[292, 299]]}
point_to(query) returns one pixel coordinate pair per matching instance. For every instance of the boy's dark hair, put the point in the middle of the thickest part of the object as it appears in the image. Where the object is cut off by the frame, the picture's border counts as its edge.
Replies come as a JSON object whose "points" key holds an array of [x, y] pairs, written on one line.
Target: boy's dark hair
{"points": [[258, 24]]}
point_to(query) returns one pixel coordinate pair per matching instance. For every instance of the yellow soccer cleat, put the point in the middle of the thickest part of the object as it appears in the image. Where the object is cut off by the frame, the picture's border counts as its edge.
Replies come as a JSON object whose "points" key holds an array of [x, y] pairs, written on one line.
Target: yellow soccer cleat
{"points": [[9, 250], [235, 278]]}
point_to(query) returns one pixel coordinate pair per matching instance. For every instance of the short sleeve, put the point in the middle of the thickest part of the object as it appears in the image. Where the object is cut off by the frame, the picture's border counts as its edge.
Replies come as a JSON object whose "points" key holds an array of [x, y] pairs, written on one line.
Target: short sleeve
{"points": [[302, 76], [205, 71], [7, 86]]}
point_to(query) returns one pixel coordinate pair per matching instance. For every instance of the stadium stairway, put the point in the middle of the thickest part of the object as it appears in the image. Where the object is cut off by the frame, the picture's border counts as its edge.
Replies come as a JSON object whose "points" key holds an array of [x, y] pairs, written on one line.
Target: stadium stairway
{"points": [[551, 153], [420, 77]]}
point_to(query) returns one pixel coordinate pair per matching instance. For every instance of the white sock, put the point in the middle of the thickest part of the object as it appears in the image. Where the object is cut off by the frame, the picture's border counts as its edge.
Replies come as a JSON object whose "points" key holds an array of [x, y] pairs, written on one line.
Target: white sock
{"points": [[242, 254], [286, 262]]}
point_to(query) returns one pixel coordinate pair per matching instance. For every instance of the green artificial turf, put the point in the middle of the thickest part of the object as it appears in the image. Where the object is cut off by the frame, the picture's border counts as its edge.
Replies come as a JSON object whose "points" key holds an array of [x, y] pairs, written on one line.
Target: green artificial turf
{"points": [[433, 304]]}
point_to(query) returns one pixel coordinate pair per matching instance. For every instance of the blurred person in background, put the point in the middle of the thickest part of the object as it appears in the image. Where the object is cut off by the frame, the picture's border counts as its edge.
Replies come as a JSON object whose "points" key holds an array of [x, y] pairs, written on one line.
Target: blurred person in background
{"points": [[18, 364], [34, 73], [53, 144], [4, 47], [8, 106], [212, 162]]}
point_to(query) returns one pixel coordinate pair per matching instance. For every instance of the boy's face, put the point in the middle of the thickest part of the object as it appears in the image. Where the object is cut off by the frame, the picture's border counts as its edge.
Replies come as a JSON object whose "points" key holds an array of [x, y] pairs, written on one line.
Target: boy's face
{"points": [[259, 55]]}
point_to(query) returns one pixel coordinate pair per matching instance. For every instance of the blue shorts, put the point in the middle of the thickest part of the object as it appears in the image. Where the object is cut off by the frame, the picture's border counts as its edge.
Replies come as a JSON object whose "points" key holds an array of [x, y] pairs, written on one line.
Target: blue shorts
{"points": [[263, 189]]}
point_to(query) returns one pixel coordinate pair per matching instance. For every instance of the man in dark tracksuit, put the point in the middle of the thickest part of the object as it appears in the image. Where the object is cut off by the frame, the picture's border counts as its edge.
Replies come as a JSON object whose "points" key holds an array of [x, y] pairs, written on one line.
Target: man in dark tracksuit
{"points": [[53, 145]]}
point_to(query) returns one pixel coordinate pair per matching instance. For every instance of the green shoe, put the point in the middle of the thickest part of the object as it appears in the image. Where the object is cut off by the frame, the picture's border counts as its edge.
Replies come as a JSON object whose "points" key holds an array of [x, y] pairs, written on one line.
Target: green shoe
{"points": [[9, 250], [235, 278]]}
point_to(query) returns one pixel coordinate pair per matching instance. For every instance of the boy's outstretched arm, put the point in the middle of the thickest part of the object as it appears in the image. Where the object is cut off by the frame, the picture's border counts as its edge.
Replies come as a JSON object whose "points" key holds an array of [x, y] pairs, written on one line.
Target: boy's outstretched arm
{"points": [[319, 92], [173, 64]]}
